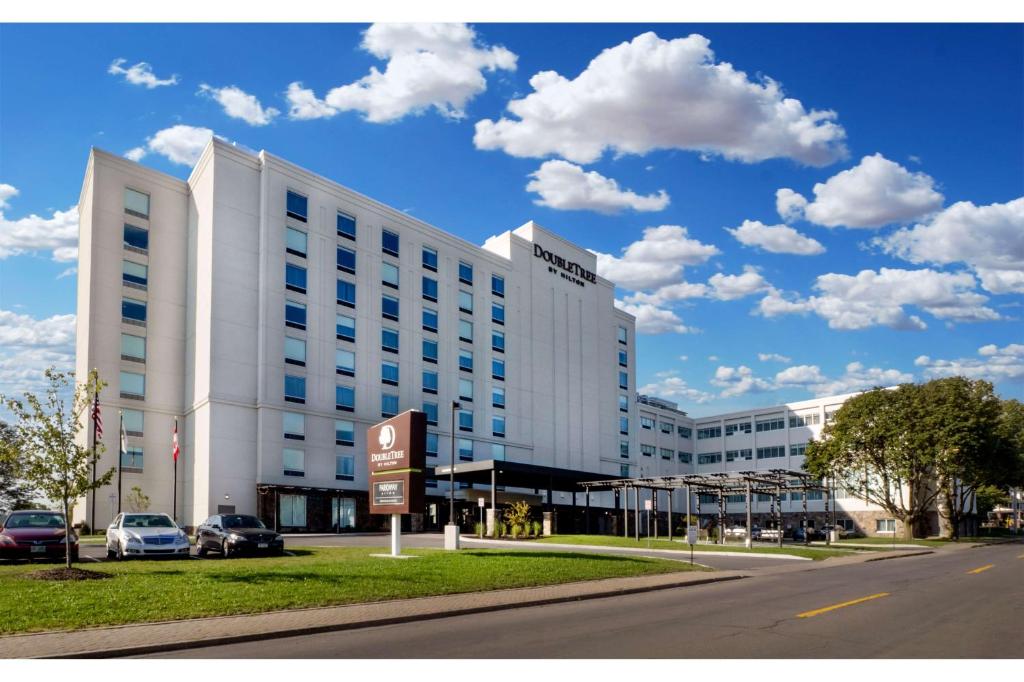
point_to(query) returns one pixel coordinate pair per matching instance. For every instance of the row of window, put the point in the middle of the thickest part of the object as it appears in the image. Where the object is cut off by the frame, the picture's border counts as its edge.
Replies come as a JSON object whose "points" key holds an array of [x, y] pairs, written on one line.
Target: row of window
{"points": [[293, 460], [705, 498], [761, 425]]}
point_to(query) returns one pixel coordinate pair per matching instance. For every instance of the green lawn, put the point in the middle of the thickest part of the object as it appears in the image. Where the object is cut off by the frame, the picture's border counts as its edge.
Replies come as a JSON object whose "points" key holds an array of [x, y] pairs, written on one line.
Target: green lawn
{"points": [[923, 542], [169, 590], [759, 548]]}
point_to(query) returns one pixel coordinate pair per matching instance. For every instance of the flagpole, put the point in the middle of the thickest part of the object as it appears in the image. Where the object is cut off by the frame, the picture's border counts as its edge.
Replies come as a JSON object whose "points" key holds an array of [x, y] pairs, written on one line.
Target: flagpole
{"points": [[174, 504], [122, 449], [96, 404]]}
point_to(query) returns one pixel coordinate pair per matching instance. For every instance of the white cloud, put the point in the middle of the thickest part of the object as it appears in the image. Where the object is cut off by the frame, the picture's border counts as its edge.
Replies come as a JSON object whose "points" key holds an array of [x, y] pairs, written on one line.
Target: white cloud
{"points": [[182, 144], [239, 104], [139, 74], [669, 293], [789, 204], [857, 377], [651, 93], [135, 154], [673, 387], [731, 287], [989, 239], [872, 298], [772, 357], [656, 259], [57, 233], [874, 193], [69, 272], [23, 331], [651, 319], [995, 364], [775, 238], [739, 381], [437, 66], [566, 186]]}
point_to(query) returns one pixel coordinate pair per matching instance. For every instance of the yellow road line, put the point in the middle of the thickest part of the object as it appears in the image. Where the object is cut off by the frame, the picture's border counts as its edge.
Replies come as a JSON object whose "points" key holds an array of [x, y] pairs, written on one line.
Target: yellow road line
{"points": [[980, 570], [809, 614], [1021, 556]]}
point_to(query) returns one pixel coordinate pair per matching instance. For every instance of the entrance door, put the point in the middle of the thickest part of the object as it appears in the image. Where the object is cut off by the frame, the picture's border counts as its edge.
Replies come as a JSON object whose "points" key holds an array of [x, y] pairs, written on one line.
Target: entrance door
{"points": [[343, 512]]}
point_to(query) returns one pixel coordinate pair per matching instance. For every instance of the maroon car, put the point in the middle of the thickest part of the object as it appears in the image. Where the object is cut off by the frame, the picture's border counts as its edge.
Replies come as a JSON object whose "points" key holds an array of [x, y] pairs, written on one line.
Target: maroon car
{"points": [[35, 534]]}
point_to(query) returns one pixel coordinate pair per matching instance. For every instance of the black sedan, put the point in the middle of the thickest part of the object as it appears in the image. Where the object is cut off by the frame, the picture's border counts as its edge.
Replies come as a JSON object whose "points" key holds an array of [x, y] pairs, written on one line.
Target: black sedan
{"points": [[232, 534]]}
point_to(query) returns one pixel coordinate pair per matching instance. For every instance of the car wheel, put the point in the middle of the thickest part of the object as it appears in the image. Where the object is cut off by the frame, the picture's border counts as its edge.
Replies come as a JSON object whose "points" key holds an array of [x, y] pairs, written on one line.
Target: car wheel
{"points": [[119, 552], [200, 549], [225, 551], [110, 553]]}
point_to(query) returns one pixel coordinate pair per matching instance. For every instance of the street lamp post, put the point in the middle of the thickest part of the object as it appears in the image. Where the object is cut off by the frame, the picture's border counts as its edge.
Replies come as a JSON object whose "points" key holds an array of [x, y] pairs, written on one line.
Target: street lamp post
{"points": [[451, 531]]}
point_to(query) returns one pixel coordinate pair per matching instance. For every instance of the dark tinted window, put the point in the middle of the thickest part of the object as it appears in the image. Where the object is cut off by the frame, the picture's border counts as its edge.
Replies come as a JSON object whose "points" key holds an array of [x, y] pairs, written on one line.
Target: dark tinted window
{"points": [[136, 237], [35, 520], [241, 521], [389, 243], [297, 206], [346, 226]]}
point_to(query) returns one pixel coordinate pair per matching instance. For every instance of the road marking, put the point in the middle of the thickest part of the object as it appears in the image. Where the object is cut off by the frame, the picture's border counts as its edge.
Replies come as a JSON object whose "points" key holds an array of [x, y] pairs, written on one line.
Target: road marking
{"points": [[981, 569], [1021, 556], [815, 612]]}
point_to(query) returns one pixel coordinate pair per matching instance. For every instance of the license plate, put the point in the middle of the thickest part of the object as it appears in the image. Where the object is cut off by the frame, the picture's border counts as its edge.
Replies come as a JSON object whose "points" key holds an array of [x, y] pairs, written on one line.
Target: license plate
{"points": [[262, 545], [39, 549]]}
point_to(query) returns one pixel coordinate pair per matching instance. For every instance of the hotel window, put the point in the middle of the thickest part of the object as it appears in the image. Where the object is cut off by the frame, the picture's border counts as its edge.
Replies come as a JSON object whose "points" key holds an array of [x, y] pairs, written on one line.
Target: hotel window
{"points": [[294, 314], [429, 258], [646, 423], [346, 294], [684, 431], [498, 369], [770, 424], [498, 452], [429, 351], [498, 396], [389, 307], [344, 362], [497, 313], [465, 420], [431, 445], [466, 331], [885, 525], [771, 452], [133, 422], [294, 351], [709, 432], [346, 225], [711, 458], [623, 403], [133, 347], [624, 470], [344, 398], [623, 448], [344, 432], [293, 462], [344, 468], [498, 340], [624, 425], [389, 372], [389, 275], [345, 327], [623, 357], [733, 455], [388, 405], [730, 429], [430, 319], [295, 278], [389, 243], [136, 203], [133, 385], [293, 425], [798, 450], [296, 206], [685, 457], [293, 510], [389, 340], [666, 453], [498, 426], [295, 242], [346, 260], [808, 419], [465, 301], [623, 335], [132, 459], [498, 285], [429, 288], [134, 275], [466, 389], [665, 427], [133, 311], [465, 273], [136, 238], [465, 448], [294, 389], [431, 411], [624, 380], [429, 381], [647, 450], [466, 360]]}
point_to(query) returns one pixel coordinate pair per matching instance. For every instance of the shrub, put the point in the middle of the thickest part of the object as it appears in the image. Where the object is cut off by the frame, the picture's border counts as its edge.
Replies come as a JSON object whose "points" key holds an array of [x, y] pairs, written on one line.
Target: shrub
{"points": [[516, 530], [478, 528], [536, 528]]}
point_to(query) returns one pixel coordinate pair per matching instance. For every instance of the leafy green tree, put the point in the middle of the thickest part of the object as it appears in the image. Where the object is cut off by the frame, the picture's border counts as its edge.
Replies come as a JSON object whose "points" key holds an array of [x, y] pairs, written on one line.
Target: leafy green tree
{"points": [[989, 497], [14, 493], [137, 500], [47, 452]]}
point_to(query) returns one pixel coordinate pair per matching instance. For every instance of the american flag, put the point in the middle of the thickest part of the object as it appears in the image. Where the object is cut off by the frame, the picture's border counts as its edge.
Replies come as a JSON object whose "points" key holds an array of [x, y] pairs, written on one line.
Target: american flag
{"points": [[176, 449], [97, 418]]}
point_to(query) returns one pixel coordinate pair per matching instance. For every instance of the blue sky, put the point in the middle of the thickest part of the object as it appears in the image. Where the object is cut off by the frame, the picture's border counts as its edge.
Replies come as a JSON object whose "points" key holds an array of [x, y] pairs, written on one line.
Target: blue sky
{"points": [[885, 272]]}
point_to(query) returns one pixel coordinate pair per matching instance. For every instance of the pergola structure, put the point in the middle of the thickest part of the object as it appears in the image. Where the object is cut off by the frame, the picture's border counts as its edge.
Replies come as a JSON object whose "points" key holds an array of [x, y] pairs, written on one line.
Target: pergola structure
{"points": [[772, 482]]}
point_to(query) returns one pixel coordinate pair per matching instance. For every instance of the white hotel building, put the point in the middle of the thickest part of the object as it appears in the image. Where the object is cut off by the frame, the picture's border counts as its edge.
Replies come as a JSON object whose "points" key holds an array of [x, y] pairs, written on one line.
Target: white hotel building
{"points": [[278, 314]]}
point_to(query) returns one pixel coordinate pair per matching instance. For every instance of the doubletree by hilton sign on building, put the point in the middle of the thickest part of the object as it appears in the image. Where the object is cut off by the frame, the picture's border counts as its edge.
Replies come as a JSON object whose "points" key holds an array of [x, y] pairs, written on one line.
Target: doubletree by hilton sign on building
{"points": [[396, 456], [567, 270]]}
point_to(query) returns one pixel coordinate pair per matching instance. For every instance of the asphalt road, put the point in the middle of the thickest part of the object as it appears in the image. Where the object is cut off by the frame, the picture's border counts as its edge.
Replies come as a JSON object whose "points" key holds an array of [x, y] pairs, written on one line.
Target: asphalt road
{"points": [[958, 603]]}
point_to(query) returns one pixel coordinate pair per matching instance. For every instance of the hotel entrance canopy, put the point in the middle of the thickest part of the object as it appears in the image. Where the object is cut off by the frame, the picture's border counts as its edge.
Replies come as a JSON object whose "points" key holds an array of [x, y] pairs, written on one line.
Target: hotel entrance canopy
{"points": [[520, 475]]}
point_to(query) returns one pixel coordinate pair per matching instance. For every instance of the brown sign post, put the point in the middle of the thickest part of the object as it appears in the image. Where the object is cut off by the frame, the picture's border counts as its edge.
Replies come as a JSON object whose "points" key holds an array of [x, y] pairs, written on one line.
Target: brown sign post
{"points": [[396, 457]]}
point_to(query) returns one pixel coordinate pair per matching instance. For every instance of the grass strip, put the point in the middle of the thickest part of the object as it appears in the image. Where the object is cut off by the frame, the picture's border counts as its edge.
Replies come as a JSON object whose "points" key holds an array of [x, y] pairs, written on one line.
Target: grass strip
{"points": [[645, 543]]}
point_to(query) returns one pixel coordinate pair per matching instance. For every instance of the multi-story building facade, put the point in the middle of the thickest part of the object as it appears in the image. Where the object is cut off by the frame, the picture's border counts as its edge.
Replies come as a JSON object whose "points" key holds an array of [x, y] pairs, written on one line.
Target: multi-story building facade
{"points": [[277, 315]]}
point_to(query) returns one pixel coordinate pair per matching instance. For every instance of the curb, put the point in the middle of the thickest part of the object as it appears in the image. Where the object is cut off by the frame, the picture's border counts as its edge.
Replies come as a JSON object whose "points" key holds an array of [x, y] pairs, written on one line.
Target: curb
{"points": [[900, 556], [395, 620], [611, 549]]}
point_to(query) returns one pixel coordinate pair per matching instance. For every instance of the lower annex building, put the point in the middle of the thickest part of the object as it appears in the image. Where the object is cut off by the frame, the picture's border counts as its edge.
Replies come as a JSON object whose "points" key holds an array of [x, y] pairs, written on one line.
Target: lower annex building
{"points": [[276, 315]]}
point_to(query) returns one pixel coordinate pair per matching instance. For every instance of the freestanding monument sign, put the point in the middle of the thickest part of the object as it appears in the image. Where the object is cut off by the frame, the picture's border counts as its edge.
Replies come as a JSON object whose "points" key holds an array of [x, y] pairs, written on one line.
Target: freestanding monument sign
{"points": [[396, 456]]}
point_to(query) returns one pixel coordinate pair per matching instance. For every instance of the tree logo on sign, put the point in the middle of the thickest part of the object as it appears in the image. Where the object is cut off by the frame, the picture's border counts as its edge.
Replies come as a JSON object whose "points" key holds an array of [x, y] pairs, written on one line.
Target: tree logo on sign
{"points": [[386, 437]]}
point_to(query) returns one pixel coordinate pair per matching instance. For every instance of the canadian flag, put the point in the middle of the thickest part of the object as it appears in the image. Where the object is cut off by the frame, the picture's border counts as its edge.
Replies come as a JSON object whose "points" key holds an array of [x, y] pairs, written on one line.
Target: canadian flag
{"points": [[176, 449]]}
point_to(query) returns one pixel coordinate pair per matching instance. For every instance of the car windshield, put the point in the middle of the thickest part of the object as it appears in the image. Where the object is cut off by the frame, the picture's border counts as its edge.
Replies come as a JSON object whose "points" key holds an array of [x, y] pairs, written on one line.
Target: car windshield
{"points": [[240, 521], [40, 520], [148, 521]]}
